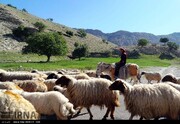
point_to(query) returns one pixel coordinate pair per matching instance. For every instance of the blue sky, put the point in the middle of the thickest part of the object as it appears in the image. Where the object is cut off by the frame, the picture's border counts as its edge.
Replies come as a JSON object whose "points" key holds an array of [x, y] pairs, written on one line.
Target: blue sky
{"points": [[151, 16]]}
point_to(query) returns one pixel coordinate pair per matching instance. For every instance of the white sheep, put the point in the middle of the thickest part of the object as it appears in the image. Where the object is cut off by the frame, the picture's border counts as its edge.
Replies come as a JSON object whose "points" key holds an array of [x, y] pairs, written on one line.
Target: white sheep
{"points": [[50, 103], [50, 83], [88, 92], [10, 76], [14, 107], [150, 76], [34, 85], [149, 100], [80, 76]]}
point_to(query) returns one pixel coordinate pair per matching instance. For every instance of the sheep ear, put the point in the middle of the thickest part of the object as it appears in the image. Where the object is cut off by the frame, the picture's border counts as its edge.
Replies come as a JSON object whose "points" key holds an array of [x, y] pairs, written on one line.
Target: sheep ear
{"points": [[123, 87], [63, 81]]}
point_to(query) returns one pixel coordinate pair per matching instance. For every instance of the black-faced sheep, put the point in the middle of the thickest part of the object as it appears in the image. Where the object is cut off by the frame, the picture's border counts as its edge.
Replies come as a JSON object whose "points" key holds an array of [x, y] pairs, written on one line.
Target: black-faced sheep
{"points": [[150, 76], [88, 92], [171, 78], [149, 100]]}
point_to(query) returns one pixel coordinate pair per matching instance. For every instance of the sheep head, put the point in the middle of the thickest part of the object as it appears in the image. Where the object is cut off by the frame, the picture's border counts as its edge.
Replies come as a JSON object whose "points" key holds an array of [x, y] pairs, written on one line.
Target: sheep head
{"points": [[142, 73], [63, 81], [170, 78], [118, 85]]}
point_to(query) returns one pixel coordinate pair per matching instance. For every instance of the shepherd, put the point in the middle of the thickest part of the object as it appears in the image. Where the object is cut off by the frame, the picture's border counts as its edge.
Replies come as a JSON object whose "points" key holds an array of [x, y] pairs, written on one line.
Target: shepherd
{"points": [[121, 63]]}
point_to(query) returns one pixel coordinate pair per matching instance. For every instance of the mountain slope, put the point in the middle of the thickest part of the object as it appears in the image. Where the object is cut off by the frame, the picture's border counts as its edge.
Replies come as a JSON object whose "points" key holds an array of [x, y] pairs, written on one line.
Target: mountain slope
{"points": [[125, 38], [11, 18]]}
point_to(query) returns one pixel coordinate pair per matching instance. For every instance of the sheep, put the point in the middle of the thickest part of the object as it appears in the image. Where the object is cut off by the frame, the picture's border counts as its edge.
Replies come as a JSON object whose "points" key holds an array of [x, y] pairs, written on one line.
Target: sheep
{"points": [[91, 73], [171, 78], [9, 86], [34, 85], [176, 86], [42, 74], [149, 100], [150, 76], [54, 76], [77, 76], [88, 92], [50, 103], [50, 83], [14, 107], [10, 76], [69, 72], [80, 76]]}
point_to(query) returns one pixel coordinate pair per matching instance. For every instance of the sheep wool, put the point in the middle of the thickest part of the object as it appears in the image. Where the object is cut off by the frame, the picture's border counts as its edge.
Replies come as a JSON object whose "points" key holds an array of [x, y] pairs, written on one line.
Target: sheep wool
{"points": [[14, 107], [49, 103], [149, 100], [88, 92]]}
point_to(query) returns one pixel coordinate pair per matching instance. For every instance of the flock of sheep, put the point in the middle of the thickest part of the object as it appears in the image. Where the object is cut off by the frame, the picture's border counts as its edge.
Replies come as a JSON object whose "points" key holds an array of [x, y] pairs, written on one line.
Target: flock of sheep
{"points": [[63, 93]]}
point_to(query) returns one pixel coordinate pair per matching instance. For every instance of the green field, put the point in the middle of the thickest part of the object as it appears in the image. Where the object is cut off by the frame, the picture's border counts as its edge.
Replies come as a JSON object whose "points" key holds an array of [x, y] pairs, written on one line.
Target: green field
{"points": [[17, 61]]}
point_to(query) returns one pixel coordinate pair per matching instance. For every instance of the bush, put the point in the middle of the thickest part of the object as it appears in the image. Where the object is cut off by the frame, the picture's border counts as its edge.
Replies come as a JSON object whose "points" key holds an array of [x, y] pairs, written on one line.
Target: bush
{"points": [[133, 54], [166, 56]]}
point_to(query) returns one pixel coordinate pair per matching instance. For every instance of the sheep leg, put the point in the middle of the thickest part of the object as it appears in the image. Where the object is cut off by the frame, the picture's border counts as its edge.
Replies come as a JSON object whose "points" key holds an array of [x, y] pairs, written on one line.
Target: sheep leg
{"points": [[90, 114], [130, 80], [112, 113], [131, 117], [106, 115], [141, 118], [79, 111]]}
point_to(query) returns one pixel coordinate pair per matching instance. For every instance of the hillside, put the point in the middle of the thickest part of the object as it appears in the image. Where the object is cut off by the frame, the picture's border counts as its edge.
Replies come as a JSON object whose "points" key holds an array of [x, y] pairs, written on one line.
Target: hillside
{"points": [[11, 18], [125, 38]]}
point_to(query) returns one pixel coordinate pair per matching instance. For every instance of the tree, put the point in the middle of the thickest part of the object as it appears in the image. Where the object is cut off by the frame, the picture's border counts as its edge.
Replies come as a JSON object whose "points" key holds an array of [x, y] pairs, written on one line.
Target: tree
{"points": [[142, 42], [80, 51], [50, 19], [47, 44], [41, 26], [164, 40], [82, 33], [24, 10], [172, 46]]}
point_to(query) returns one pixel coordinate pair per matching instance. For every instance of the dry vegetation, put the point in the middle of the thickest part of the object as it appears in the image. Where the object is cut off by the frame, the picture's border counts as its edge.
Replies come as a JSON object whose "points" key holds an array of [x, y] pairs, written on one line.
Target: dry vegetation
{"points": [[12, 18]]}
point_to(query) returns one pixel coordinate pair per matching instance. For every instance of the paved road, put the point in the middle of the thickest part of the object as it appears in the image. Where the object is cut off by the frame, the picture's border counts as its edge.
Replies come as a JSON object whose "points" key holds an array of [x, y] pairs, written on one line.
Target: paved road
{"points": [[120, 112]]}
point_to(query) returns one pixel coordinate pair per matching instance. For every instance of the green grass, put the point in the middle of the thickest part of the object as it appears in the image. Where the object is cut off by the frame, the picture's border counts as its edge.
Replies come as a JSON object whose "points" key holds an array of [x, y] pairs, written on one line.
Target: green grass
{"points": [[17, 61]]}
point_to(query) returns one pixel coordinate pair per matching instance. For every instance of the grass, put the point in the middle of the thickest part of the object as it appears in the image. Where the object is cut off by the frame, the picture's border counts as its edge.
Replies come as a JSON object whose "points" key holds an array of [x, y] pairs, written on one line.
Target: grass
{"points": [[17, 61]]}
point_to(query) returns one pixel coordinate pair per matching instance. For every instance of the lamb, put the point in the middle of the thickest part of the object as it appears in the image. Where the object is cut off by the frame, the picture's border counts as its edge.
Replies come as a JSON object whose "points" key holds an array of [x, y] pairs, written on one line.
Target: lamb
{"points": [[149, 100], [49, 103], [150, 76], [171, 78], [14, 107], [50, 83], [34, 85], [88, 92]]}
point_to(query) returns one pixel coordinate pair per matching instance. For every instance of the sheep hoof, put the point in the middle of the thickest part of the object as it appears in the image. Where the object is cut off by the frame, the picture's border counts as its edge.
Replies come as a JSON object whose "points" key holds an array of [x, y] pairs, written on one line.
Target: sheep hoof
{"points": [[104, 118], [112, 117], [91, 118]]}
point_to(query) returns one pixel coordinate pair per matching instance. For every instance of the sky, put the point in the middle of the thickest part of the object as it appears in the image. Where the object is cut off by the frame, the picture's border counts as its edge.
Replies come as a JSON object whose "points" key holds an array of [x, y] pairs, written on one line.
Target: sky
{"points": [[159, 17]]}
